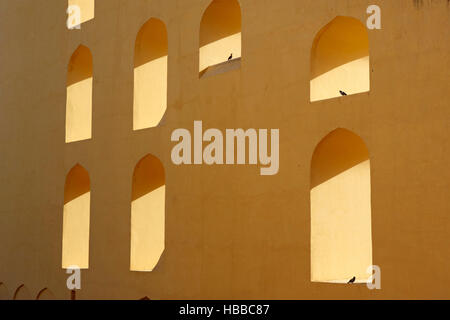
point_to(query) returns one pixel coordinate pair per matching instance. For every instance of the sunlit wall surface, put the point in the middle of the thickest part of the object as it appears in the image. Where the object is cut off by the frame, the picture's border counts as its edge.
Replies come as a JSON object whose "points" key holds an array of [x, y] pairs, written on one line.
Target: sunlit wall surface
{"points": [[79, 96], [340, 59], [77, 197], [87, 9], [341, 241], [147, 214], [150, 75], [220, 33]]}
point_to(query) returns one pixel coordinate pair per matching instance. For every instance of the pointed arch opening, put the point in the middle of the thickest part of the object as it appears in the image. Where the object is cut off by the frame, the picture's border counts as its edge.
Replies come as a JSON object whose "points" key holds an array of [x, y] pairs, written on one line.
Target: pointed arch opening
{"points": [[45, 294], [4, 292], [341, 236], [80, 11], [340, 60], [150, 75], [22, 293], [79, 96], [76, 216], [147, 214], [220, 37]]}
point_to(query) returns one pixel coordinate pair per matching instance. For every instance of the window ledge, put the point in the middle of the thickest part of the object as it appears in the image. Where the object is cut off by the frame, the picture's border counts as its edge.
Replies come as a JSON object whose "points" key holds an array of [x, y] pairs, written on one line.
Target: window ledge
{"points": [[221, 68]]}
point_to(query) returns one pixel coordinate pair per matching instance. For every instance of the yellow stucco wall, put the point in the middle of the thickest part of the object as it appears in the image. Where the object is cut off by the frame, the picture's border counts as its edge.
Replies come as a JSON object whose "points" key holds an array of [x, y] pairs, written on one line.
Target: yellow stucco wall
{"points": [[229, 232]]}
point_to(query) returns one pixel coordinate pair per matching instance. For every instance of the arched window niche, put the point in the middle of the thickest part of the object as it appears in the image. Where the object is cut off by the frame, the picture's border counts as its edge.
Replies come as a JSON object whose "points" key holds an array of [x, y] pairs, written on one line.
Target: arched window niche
{"points": [[76, 216], [341, 237], [80, 11], [220, 37], [79, 96], [340, 60], [150, 75], [147, 214]]}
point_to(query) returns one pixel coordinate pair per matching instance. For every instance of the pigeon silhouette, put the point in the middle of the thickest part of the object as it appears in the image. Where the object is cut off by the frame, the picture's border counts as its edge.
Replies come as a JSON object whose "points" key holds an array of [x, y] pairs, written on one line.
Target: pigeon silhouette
{"points": [[342, 93], [352, 280], [230, 57]]}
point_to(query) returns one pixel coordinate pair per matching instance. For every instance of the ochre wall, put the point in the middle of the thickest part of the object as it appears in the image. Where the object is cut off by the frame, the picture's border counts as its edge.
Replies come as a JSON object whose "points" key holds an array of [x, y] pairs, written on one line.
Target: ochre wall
{"points": [[229, 232]]}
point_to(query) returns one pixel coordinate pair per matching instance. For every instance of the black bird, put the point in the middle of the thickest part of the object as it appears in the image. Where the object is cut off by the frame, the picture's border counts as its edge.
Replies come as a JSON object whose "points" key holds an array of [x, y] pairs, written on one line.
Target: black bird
{"points": [[352, 280], [230, 57], [342, 93]]}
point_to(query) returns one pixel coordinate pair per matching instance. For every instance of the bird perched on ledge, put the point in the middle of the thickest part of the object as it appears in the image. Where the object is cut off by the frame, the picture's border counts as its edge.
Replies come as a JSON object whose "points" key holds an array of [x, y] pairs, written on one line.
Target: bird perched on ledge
{"points": [[230, 57], [352, 280], [342, 93]]}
